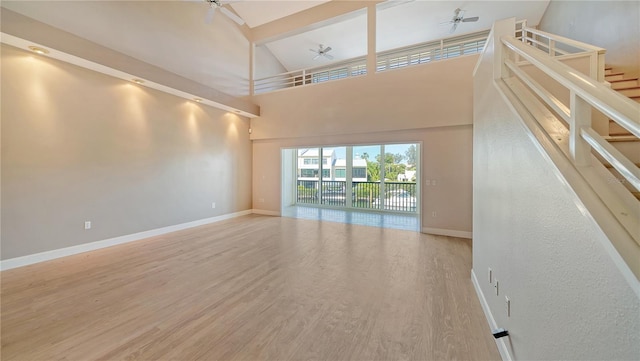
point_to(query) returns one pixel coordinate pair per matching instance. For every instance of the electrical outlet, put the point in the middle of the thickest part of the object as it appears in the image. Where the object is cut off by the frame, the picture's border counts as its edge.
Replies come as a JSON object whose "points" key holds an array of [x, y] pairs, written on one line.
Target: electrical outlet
{"points": [[497, 286], [213, 205], [87, 225], [508, 304], [261, 200], [490, 274]]}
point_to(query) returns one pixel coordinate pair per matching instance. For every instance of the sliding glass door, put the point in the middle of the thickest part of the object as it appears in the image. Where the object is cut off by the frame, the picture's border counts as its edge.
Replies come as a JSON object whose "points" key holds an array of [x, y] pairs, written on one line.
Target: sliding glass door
{"points": [[377, 177]]}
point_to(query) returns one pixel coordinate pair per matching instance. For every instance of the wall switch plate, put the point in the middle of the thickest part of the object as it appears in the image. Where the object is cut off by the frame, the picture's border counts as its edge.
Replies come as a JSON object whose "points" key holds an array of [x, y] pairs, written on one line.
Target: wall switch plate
{"points": [[261, 200], [213, 205], [427, 182], [87, 225], [497, 286], [433, 182], [490, 275]]}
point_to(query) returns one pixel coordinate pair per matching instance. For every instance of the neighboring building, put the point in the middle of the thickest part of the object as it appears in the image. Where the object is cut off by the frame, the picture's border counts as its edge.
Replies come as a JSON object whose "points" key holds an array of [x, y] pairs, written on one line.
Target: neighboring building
{"points": [[359, 170], [333, 169], [309, 164], [407, 176]]}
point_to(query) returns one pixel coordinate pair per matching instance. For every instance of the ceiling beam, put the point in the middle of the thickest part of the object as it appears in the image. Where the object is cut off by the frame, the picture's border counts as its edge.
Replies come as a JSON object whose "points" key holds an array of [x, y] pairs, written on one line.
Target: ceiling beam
{"points": [[304, 20]]}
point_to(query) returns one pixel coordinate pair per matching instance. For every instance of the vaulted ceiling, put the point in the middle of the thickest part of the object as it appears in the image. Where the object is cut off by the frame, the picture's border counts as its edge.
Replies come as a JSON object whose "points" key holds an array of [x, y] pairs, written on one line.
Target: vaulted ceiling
{"points": [[173, 35]]}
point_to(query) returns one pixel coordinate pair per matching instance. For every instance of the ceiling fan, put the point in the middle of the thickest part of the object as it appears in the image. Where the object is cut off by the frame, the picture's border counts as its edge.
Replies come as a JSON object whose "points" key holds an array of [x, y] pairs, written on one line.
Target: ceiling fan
{"points": [[322, 51], [218, 4], [458, 17]]}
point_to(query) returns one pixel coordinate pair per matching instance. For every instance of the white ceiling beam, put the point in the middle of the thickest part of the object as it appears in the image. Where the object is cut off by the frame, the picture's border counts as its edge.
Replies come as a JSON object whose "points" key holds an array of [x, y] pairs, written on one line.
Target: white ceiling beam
{"points": [[306, 19]]}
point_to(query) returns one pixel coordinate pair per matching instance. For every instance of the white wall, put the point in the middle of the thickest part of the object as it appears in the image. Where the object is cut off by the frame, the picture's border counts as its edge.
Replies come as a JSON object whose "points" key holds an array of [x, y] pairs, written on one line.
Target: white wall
{"points": [[82, 146], [431, 95], [613, 25], [569, 299]]}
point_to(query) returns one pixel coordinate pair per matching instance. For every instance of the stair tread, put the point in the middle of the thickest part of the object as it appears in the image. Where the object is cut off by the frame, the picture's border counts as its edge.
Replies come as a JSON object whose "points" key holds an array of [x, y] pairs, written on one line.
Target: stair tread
{"points": [[629, 87], [613, 74], [621, 80], [622, 138]]}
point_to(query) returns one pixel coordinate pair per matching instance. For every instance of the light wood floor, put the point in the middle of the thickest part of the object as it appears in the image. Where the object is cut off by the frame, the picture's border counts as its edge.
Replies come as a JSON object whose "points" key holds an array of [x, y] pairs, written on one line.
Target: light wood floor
{"points": [[252, 288]]}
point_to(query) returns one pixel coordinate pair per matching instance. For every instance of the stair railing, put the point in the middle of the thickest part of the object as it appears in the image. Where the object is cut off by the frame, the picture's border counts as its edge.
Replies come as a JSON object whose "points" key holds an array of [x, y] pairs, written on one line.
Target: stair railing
{"points": [[564, 48], [586, 94]]}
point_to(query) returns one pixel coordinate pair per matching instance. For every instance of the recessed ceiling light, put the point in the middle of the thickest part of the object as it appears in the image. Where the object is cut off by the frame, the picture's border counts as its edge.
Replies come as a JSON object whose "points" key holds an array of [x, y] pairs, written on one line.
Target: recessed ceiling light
{"points": [[197, 100], [137, 81], [38, 50]]}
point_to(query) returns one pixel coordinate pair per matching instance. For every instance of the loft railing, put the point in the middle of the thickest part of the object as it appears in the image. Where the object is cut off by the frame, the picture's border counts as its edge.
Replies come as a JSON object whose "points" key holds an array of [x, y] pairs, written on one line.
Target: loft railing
{"points": [[431, 51], [564, 48], [387, 60], [586, 94], [340, 70]]}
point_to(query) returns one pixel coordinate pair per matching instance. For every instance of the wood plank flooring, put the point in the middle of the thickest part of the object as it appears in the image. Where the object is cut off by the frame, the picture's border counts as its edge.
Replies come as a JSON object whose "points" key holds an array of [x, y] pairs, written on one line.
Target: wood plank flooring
{"points": [[252, 288]]}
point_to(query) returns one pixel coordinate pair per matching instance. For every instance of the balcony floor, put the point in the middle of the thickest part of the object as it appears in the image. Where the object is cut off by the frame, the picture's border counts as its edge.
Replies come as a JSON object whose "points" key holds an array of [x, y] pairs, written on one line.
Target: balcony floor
{"points": [[407, 222]]}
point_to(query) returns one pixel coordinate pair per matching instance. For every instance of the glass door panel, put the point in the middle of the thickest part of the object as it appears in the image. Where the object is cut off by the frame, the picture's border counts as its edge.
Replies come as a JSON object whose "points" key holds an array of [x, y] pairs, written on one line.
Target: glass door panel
{"points": [[333, 176], [307, 172], [365, 177]]}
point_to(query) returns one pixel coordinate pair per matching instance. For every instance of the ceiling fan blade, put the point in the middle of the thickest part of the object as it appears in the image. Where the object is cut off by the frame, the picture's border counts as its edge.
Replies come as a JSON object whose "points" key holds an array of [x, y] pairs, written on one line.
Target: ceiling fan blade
{"points": [[232, 16], [327, 49], [330, 57], [469, 20], [313, 50], [453, 28], [446, 22], [210, 13], [316, 57]]}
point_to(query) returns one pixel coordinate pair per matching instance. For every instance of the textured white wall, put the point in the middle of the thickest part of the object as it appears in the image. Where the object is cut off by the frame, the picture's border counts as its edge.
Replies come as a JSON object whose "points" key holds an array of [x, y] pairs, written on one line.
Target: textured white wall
{"points": [[569, 299], [613, 25]]}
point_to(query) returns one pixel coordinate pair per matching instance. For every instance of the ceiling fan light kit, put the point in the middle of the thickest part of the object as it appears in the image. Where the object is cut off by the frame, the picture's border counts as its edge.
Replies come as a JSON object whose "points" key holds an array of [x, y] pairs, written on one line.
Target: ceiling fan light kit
{"points": [[218, 4], [458, 17], [322, 52]]}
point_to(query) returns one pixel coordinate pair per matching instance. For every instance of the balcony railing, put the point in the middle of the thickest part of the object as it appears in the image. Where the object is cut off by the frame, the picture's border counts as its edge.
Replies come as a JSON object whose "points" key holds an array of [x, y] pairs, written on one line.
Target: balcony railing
{"points": [[386, 60], [398, 196]]}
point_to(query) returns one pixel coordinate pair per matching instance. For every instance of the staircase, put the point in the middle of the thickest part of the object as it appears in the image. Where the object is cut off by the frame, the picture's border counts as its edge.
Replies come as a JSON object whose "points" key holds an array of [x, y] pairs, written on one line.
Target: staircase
{"points": [[600, 163], [622, 139]]}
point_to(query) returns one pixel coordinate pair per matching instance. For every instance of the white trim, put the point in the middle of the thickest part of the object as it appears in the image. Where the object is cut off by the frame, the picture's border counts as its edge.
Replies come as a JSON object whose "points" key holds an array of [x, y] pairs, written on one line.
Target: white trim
{"points": [[265, 212], [447, 232], [502, 345], [92, 246]]}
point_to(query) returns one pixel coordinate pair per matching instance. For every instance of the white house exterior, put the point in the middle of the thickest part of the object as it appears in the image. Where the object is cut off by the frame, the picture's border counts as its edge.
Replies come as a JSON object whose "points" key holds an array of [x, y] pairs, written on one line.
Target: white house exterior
{"points": [[333, 169]]}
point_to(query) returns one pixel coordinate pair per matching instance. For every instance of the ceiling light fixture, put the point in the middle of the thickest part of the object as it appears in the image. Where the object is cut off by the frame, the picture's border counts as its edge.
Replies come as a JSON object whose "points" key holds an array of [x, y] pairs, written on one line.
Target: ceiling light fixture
{"points": [[38, 50], [197, 100], [137, 81]]}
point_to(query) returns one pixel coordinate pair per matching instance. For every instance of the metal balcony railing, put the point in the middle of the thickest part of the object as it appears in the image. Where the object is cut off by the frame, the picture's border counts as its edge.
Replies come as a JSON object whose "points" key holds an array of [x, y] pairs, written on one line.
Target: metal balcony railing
{"points": [[398, 196]]}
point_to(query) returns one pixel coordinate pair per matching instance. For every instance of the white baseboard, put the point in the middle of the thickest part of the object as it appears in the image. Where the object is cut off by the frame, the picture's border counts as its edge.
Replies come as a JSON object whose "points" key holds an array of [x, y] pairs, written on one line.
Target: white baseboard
{"points": [[502, 346], [265, 212], [86, 247], [447, 232]]}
